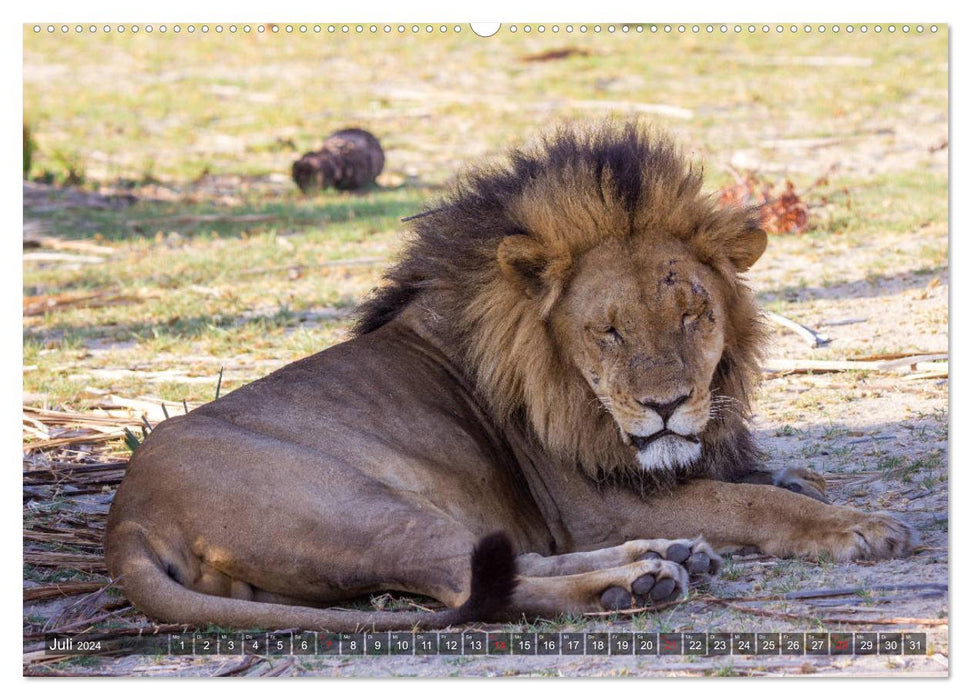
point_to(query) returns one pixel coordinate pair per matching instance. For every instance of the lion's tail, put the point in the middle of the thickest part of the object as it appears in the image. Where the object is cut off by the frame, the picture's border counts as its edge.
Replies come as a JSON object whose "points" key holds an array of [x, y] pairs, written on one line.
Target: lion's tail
{"points": [[149, 586]]}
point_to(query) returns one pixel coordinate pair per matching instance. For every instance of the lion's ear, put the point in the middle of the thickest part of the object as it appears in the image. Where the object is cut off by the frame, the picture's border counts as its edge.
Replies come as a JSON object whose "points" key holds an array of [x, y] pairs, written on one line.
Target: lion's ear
{"points": [[523, 261], [747, 247]]}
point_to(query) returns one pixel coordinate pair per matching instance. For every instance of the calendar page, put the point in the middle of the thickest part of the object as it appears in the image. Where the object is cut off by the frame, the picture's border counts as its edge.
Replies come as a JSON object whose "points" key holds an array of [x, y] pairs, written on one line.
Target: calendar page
{"points": [[436, 348]]}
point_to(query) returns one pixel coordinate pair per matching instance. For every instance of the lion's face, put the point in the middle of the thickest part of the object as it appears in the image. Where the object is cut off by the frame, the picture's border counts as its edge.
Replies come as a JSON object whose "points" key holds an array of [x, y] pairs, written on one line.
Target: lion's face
{"points": [[595, 296], [644, 325]]}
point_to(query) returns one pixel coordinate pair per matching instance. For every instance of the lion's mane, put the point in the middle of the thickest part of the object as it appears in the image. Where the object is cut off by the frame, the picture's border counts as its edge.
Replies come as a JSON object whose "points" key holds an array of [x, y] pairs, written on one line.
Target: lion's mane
{"points": [[576, 187]]}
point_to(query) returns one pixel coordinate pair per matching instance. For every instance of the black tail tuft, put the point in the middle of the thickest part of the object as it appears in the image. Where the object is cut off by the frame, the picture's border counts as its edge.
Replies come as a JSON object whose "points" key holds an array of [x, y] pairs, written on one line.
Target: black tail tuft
{"points": [[493, 578]]}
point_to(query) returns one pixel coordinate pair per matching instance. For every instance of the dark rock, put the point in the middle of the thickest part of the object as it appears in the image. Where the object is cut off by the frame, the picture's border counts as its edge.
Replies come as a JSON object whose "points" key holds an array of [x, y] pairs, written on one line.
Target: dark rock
{"points": [[349, 159]]}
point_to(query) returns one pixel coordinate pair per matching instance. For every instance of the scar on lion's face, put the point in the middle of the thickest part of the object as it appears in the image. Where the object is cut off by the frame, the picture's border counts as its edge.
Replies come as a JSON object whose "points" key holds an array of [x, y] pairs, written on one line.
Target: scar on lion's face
{"points": [[643, 324]]}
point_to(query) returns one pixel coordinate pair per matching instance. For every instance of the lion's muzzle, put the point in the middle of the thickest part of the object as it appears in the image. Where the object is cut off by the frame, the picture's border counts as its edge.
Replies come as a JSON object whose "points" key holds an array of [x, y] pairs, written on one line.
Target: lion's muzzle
{"points": [[642, 442], [667, 435], [665, 410]]}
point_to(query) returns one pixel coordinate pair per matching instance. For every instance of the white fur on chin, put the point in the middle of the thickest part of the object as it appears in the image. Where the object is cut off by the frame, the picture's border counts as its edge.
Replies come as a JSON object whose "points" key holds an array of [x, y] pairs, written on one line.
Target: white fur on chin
{"points": [[668, 452]]}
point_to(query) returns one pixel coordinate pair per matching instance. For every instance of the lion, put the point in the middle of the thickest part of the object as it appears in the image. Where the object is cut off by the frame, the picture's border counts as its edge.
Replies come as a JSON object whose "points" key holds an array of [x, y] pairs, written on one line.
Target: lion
{"points": [[544, 410]]}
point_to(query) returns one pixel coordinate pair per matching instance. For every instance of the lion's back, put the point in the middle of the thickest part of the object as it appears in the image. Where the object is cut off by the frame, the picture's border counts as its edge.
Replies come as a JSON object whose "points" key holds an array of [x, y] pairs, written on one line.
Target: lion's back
{"points": [[383, 406]]}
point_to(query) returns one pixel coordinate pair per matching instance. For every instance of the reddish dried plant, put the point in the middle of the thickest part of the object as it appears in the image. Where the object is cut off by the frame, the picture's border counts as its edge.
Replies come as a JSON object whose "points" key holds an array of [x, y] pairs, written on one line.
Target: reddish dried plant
{"points": [[780, 213]]}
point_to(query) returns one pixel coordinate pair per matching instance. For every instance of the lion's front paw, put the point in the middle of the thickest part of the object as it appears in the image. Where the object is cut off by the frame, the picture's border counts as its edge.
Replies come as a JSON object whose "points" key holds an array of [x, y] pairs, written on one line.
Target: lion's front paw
{"points": [[804, 481], [883, 536], [859, 535]]}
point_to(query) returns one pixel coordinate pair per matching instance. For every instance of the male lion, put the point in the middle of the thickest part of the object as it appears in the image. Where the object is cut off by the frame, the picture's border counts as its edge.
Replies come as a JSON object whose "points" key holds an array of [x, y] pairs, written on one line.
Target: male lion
{"points": [[543, 411]]}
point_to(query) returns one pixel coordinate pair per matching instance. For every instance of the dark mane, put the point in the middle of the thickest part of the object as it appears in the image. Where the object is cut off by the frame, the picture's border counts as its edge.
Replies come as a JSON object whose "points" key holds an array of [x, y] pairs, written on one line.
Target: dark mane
{"points": [[460, 233], [575, 189]]}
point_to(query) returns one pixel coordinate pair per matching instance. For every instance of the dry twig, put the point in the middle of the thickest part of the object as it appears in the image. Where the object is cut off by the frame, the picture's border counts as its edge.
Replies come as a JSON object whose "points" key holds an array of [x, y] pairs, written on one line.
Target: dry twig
{"points": [[808, 334], [912, 363], [247, 663]]}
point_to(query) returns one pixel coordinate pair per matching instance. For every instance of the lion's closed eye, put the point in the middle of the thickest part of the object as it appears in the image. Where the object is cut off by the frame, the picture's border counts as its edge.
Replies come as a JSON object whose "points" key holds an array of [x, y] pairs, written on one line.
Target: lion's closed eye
{"points": [[694, 313], [607, 332]]}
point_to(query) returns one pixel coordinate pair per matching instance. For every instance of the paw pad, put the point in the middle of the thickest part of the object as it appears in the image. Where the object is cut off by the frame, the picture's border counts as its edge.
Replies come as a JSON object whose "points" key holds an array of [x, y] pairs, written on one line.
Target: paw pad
{"points": [[642, 586], [649, 590], [698, 563], [678, 553], [615, 598], [663, 590]]}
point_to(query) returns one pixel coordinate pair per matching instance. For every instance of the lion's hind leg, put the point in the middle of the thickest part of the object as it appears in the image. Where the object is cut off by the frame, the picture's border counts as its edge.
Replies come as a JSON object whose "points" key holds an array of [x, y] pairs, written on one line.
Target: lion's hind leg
{"points": [[696, 555], [642, 583], [638, 573]]}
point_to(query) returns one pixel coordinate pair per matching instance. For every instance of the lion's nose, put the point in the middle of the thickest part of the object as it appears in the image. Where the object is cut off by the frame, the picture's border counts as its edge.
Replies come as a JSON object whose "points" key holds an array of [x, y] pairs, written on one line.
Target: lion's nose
{"points": [[665, 410]]}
